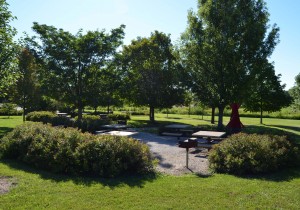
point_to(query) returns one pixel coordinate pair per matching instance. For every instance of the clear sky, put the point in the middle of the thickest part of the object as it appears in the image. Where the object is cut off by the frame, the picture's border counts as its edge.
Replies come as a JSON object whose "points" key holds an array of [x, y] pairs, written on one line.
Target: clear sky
{"points": [[142, 17]]}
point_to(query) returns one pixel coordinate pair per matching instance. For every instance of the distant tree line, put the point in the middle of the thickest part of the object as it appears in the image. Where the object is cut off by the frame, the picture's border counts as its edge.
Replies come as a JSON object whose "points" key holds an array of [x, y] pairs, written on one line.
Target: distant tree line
{"points": [[222, 58]]}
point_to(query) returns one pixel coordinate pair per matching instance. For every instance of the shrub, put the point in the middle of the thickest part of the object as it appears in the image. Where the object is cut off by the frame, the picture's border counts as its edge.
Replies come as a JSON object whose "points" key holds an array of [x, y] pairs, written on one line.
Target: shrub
{"points": [[9, 109], [112, 155], [40, 116], [61, 120], [91, 123], [243, 154], [116, 117], [72, 152]]}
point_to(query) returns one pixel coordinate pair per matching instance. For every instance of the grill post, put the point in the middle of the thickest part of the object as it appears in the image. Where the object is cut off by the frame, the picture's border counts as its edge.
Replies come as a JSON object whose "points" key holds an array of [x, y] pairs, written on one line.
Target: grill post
{"points": [[187, 157]]}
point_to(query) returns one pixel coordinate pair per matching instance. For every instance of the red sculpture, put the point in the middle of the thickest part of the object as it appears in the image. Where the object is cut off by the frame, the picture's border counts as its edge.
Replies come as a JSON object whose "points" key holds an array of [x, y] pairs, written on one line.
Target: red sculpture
{"points": [[235, 125]]}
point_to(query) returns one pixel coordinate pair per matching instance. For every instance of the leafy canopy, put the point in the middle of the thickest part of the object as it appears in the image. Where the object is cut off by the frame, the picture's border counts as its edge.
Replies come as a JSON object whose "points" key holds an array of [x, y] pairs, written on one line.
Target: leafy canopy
{"points": [[8, 49], [69, 59], [223, 46]]}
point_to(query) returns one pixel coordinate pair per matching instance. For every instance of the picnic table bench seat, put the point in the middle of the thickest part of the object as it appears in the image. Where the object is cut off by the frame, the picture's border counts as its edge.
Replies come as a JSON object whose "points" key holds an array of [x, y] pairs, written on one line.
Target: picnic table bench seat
{"points": [[171, 134]]}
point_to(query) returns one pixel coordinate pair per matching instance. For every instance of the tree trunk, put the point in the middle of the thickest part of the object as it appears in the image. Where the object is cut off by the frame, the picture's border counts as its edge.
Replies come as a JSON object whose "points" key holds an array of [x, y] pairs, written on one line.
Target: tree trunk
{"points": [[213, 115], [24, 108], [151, 116], [220, 120], [261, 113], [189, 110], [80, 111], [108, 109]]}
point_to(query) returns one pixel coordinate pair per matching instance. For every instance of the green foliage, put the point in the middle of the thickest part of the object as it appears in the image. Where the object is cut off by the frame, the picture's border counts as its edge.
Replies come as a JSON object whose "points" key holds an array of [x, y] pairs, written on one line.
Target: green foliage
{"points": [[9, 109], [51, 118], [7, 50], [26, 91], [295, 93], [41, 116], [223, 49], [111, 155], [152, 72], [267, 94], [243, 154], [62, 121], [90, 123], [72, 152], [116, 117], [59, 51]]}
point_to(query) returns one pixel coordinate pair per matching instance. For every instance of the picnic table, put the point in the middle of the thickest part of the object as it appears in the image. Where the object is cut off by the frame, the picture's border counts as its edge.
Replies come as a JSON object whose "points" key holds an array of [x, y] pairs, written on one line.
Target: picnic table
{"points": [[61, 114], [115, 127], [177, 126], [120, 133], [177, 130], [209, 134], [206, 137]]}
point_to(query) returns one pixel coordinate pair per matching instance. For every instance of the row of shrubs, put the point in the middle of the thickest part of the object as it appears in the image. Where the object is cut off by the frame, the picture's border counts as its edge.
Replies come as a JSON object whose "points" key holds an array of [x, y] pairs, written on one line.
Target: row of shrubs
{"points": [[73, 152], [242, 154], [89, 123]]}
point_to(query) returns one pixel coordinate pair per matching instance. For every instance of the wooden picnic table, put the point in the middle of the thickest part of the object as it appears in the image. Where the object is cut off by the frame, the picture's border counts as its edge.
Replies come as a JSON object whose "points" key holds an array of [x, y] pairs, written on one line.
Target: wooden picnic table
{"points": [[209, 134], [120, 133], [176, 130], [61, 114], [177, 126]]}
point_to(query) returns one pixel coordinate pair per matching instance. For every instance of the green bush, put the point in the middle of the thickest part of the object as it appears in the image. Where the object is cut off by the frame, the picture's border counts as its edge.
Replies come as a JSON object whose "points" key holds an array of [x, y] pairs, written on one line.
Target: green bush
{"points": [[251, 154], [91, 123], [111, 155], [61, 120], [72, 152], [40, 116], [116, 117], [9, 109]]}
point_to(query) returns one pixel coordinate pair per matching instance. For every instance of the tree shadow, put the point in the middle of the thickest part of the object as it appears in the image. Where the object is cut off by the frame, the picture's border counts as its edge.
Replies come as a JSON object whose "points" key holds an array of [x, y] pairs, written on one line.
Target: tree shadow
{"points": [[131, 180], [274, 130], [4, 130], [293, 128], [147, 123], [284, 175]]}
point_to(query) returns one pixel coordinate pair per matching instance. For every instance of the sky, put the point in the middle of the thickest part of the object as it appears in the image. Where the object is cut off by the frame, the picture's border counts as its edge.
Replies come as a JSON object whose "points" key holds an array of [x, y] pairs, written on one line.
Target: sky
{"points": [[143, 17]]}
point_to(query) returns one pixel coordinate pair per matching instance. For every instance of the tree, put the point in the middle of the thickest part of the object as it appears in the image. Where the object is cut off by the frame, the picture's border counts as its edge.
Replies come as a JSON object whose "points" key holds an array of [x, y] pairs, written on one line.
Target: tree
{"points": [[7, 49], [70, 59], [27, 85], [267, 94], [152, 73], [222, 46], [295, 93], [105, 87]]}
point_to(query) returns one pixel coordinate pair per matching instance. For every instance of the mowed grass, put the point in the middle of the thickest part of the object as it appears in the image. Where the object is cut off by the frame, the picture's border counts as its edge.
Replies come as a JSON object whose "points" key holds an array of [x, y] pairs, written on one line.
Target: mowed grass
{"points": [[37, 189], [8, 123], [42, 190]]}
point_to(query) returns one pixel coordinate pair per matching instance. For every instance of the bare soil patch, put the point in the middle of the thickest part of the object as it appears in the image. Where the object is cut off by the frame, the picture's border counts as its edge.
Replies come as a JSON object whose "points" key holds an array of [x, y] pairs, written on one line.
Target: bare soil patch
{"points": [[6, 183]]}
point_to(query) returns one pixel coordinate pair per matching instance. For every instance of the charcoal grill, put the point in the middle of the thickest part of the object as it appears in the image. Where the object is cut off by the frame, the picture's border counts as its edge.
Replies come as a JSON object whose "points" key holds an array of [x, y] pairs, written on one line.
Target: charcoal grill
{"points": [[187, 144]]}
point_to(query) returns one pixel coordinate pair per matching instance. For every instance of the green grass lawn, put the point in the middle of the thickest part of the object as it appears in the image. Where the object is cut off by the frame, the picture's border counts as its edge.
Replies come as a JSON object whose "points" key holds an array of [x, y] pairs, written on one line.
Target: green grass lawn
{"points": [[38, 189], [41, 190], [7, 124]]}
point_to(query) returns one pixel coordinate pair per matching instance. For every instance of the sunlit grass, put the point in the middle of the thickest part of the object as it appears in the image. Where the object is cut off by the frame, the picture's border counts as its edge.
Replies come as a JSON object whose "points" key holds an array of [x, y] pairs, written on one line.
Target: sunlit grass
{"points": [[8, 123], [40, 190], [37, 189]]}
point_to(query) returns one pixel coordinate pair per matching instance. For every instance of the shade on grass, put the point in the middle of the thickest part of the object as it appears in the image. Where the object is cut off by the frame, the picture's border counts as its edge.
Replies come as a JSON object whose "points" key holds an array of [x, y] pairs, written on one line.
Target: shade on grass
{"points": [[39, 190]]}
